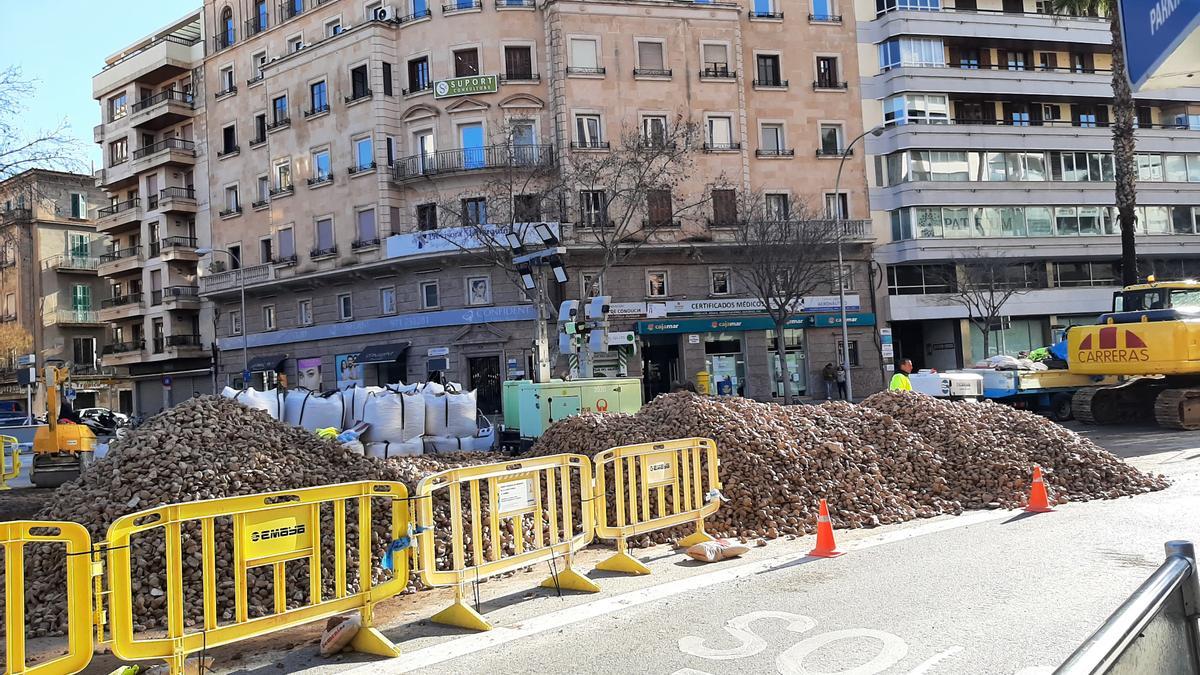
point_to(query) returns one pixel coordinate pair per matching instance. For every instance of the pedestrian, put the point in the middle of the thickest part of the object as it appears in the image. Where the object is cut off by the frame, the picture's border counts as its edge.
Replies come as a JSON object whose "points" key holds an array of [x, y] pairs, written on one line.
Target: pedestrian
{"points": [[829, 375], [900, 379], [841, 381]]}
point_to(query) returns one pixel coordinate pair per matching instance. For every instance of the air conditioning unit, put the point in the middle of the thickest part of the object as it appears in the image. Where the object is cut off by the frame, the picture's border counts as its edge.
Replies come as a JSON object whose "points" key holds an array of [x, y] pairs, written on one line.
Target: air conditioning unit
{"points": [[385, 13]]}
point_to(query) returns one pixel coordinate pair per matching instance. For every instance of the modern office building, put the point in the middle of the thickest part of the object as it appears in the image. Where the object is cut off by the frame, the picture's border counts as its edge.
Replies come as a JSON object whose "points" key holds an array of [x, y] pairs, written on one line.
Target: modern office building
{"points": [[49, 252], [996, 143], [154, 139]]}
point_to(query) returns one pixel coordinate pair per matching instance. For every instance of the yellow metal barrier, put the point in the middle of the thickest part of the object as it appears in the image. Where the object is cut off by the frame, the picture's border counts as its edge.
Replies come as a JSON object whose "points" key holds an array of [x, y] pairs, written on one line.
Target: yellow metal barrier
{"points": [[500, 494], [268, 531], [11, 448], [642, 475], [14, 536]]}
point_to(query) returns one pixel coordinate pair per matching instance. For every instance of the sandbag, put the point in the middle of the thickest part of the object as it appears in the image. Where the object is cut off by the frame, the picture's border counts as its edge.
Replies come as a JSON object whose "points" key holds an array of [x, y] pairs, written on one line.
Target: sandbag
{"points": [[479, 443], [339, 631], [385, 450], [401, 388], [450, 414], [394, 418], [269, 401], [717, 549], [313, 411], [355, 399]]}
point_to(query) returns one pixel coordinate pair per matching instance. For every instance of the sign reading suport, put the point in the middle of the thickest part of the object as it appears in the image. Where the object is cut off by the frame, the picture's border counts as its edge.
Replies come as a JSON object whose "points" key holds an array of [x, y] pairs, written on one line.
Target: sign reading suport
{"points": [[461, 86]]}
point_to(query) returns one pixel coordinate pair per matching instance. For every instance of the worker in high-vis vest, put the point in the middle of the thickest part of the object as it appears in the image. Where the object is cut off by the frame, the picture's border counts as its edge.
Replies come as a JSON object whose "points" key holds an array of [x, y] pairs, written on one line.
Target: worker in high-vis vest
{"points": [[900, 379]]}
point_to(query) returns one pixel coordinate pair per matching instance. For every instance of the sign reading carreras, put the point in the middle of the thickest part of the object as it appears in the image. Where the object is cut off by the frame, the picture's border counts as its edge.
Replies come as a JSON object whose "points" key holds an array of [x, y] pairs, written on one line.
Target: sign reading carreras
{"points": [[1113, 344], [461, 86]]}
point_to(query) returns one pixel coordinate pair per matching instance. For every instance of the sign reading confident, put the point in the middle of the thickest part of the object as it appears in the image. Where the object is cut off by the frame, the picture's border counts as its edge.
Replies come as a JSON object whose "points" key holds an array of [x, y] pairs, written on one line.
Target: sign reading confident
{"points": [[461, 86]]}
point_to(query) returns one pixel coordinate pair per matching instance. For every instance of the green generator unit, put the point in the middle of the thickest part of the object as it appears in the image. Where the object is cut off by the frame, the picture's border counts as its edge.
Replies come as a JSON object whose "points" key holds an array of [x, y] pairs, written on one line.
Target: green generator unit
{"points": [[531, 407]]}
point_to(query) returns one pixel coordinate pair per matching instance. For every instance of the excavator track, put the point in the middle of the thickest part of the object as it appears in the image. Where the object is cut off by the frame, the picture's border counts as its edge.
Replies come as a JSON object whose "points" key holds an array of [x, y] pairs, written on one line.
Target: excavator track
{"points": [[1178, 408], [1125, 403]]}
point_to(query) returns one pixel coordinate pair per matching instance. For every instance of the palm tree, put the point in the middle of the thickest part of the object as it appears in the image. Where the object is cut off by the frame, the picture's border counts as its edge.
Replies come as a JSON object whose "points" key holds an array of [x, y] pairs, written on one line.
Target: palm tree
{"points": [[1122, 127]]}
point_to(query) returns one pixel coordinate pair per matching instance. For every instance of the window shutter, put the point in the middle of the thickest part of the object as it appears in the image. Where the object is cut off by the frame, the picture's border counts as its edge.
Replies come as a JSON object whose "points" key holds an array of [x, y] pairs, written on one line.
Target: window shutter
{"points": [[1051, 60], [1074, 113], [1035, 113], [985, 58], [955, 57], [1089, 62], [1008, 112], [583, 53], [650, 55], [714, 54]]}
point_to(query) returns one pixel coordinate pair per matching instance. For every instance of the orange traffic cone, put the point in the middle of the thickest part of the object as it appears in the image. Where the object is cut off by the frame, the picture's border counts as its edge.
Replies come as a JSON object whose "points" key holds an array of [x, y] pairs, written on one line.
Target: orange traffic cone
{"points": [[825, 548], [1039, 501]]}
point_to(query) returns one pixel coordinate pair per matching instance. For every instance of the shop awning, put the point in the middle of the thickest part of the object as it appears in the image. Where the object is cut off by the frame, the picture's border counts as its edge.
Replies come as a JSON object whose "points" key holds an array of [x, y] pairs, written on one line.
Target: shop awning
{"points": [[260, 364], [383, 353]]}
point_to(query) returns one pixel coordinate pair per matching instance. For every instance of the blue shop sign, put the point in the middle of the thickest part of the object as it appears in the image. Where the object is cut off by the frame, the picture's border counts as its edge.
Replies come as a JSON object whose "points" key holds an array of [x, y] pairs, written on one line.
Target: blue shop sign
{"points": [[746, 323]]}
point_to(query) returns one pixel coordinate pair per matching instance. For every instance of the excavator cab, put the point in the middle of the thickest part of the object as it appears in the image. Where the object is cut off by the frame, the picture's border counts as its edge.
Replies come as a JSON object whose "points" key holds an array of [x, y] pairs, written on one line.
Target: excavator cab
{"points": [[1183, 296]]}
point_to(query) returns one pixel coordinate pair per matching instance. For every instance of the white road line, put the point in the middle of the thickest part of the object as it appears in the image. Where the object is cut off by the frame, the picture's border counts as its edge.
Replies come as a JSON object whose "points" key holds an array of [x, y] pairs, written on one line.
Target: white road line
{"points": [[470, 644]]}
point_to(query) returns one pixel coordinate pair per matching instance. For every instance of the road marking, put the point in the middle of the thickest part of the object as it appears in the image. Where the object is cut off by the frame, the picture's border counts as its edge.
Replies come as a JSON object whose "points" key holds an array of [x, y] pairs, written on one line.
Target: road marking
{"points": [[471, 644], [933, 660], [791, 660], [739, 627]]}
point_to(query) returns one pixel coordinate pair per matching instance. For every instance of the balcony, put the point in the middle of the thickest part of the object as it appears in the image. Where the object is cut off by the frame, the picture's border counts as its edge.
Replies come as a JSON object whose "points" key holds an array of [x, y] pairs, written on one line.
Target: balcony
{"points": [[983, 134], [174, 344], [255, 25], [722, 147], [163, 109], [121, 307], [589, 145], [285, 260], [176, 297], [75, 264], [279, 123], [230, 212], [282, 191], [228, 151], [212, 284], [157, 60], [773, 16], [122, 353], [16, 215], [120, 261], [462, 6], [472, 159], [419, 88], [770, 83], [357, 96], [117, 176], [316, 110], [119, 217], [77, 317], [827, 153], [774, 152], [416, 16], [664, 73], [519, 77], [364, 244], [365, 168], [717, 71], [996, 81], [825, 18], [322, 179], [178, 248], [515, 4], [579, 70], [319, 253], [983, 25], [177, 199], [290, 9], [829, 85], [176, 151]]}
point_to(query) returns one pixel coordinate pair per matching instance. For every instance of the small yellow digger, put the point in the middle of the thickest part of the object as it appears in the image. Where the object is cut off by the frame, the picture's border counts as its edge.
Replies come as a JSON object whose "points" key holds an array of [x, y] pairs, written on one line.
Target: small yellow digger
{"points": [[60, 450]]}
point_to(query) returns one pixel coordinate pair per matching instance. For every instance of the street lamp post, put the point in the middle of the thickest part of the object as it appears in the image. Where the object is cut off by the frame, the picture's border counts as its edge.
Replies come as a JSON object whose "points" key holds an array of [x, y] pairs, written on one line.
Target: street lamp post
{"points": [[837, 224], [242, 290]]}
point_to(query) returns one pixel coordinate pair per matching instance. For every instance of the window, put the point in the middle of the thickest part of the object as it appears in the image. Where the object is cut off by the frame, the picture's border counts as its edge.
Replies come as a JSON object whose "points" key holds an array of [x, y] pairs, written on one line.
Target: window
{"points": [[387, 79], [235, 256], [1085, 274], [593, 208], [587, 131], [229, 139], [319, 97], [268, 317], [387, 300], [264, 189], [322, 167], [837, 205], [225, 35], [466, 62], [231, 199], [474, 211], [827, 72], [226, 81], [724, 208], [917, 109], [260, 15], [776, 206], [526, 208], [429, 294], [427, 217], [358, 83], [831, 139], [345, 307], [853, 352], [654, 130], [479, 290], [584, 55], [260, 128], [333, 27], [304, 313], [235, 322], [716, 60], [772, 139], [418, 75], [287, 243], [1015, 60], [118, 151], [660, 211], [823, 10], [295, 44], [913, 52], [117, 107], [1048, 61], [968, 58], [325, 240], [279, 107], [366, 225], [265, 254], [389, 150], [518, 63], [768, 70], [650, 58], [283, 176], [78, 205], [257, 62], [720, 133], [83, 351], [920, 279], [718, 282], [656, 284]]}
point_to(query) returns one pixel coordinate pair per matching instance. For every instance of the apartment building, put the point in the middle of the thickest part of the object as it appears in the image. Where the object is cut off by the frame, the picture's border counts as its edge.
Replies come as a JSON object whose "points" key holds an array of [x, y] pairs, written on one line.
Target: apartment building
{"points": [[49, 252], [995, 142], [154, 140], [345, 138]]}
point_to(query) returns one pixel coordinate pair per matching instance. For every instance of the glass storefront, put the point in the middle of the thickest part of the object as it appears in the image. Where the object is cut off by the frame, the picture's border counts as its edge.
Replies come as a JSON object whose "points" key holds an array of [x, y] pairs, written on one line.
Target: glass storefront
{"points": [[725, 363], [797, 366]]}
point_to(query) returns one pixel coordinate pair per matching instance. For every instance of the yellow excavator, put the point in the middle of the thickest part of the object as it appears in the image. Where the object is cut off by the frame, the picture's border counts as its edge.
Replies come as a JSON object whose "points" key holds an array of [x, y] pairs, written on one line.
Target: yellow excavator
{"points": [[60, 449], [1151, 340]]}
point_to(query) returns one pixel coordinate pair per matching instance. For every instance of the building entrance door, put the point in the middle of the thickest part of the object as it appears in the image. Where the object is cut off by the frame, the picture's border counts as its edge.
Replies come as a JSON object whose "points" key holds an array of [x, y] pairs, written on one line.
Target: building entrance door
{"points": [[485, 380], [660, 364]]}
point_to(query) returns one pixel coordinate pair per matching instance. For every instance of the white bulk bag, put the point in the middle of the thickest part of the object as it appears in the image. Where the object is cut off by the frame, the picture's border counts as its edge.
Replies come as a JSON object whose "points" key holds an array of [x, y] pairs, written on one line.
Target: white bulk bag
{"points": [[268, 401], [355, 399], [315, 411], [458, 444], [450, 414], [385, 450], [402, 388], [394, 418]]}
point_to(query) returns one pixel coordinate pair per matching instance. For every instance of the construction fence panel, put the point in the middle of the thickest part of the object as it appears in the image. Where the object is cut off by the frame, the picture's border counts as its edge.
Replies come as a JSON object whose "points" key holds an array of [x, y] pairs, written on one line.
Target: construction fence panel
{"points": [[11, 462], [259, 540], [77, 545], [496, 518], [653, 486]]}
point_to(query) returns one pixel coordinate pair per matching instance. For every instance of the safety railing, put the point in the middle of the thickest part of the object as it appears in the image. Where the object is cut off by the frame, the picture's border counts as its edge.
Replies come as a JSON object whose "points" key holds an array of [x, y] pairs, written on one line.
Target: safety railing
{"points": [[264, 531], [1154, 630], [509, 496], [78, 569], [11, 461], [652, 486]]}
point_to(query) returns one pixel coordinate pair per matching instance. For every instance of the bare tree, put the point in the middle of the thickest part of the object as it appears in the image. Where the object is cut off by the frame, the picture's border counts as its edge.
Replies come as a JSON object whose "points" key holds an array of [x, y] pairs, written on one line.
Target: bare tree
{"points": [[781, 258], [22, 149], [983, 285]]}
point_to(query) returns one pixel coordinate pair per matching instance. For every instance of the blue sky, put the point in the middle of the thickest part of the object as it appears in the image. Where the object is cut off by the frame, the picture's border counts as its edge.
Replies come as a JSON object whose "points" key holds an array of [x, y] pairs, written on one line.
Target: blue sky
{"points": [[63, 44]]}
